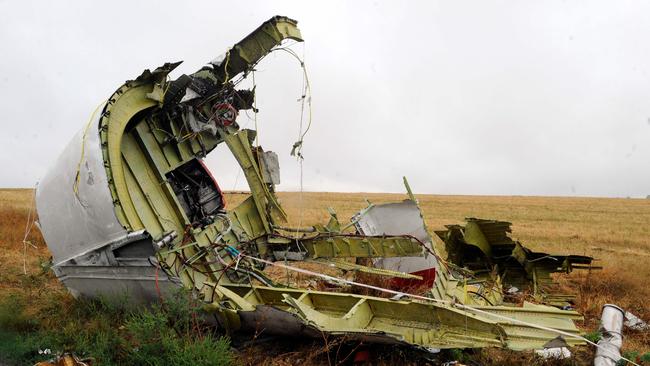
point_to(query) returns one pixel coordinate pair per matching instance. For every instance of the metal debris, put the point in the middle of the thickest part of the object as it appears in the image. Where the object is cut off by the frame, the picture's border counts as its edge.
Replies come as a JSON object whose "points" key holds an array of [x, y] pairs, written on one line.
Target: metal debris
{"points": [[555, 348], [485, 248], [611, 327], [557, 353], [634, 322], [153, 218]]}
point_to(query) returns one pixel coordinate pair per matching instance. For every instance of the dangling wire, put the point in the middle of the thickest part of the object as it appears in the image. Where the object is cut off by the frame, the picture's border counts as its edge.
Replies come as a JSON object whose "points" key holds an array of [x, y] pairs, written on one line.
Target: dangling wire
{"points": [[298, 145], [225, 68], [75, 185], [302, 132], [306, 96], [234, 186], [296, 150], [28, 229], [257, 132]]}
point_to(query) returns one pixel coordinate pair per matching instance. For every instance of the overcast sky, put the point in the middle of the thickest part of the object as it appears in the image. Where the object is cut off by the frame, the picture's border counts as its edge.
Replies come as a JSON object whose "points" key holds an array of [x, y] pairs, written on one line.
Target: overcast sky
{"points": [[462, 97]]}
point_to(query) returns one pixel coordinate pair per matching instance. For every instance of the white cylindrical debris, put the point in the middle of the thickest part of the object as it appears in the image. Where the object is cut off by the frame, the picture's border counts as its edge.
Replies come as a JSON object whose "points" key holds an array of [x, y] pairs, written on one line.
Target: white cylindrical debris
{"points": [[611, 328]]}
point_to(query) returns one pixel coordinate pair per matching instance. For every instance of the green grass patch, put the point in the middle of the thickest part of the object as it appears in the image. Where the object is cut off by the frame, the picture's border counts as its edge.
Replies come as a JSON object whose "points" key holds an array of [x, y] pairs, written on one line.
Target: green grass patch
{"points": [[110, 334]]}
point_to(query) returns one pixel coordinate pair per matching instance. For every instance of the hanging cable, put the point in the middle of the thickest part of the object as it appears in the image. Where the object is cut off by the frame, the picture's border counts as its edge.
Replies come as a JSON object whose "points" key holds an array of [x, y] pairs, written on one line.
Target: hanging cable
{"points": [[28, 229], [75, 185], [225, 69], [296, 150], [306, 96]]}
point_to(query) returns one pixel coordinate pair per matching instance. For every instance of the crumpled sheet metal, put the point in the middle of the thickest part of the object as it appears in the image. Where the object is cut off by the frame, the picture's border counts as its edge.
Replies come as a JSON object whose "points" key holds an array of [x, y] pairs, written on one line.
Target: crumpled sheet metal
{"points": [[399, 218], [634, 322], [482, 241]]}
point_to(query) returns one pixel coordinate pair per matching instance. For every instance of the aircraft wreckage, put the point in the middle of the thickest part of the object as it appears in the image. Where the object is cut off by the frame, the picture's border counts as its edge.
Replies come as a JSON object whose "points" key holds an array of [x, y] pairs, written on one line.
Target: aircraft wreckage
{"points": [[129, 207]]}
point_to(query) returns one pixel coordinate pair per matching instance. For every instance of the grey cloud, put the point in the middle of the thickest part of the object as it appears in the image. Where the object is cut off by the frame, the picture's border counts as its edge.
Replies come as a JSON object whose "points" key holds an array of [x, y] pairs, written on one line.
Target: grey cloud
{"points": [[471, 97]]}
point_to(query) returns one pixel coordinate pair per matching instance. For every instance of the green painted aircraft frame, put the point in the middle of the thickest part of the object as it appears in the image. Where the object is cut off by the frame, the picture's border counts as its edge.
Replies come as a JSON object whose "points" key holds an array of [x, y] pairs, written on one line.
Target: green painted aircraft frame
{"points": [[143, 141]]}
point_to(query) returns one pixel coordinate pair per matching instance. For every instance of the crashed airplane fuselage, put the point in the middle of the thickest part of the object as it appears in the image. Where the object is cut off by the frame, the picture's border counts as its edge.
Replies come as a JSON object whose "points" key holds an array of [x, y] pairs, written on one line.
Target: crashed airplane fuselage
{"points": [[129, 207]]}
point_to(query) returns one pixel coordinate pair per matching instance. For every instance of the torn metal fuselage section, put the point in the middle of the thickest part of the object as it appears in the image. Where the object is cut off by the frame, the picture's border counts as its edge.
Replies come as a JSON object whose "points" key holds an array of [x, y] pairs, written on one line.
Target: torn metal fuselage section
{"points": [[485, 248], [129, 207]]}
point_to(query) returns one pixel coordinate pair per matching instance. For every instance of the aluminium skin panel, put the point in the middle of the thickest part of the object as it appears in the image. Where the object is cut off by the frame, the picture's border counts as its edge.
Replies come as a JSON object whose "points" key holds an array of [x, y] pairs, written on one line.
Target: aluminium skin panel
{"points": [[75, 223]]}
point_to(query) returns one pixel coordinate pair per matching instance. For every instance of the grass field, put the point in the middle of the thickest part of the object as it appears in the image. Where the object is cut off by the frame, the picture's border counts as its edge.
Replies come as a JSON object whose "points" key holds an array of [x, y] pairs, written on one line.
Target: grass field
{"points": [[615, 231]]}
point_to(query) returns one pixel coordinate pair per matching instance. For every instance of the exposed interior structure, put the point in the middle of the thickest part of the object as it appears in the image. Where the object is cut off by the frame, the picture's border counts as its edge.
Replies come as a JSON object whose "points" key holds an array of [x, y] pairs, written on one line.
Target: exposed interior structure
{"points": [[130, 208], [485, 248]]}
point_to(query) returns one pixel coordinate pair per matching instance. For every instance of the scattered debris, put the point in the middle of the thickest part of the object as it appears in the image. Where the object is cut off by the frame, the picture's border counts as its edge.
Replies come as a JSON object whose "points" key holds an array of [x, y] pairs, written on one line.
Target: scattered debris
{"points": [[512, 290], [557, 353], [634, 322], [555, 348], [130, 208], [485, 248], [611, 327], [66, 359]]}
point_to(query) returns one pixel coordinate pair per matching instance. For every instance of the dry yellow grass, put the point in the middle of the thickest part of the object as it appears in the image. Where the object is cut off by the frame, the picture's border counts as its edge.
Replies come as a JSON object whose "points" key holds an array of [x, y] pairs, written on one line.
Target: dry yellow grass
{"points": [[616, 231], [14, 209]]}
